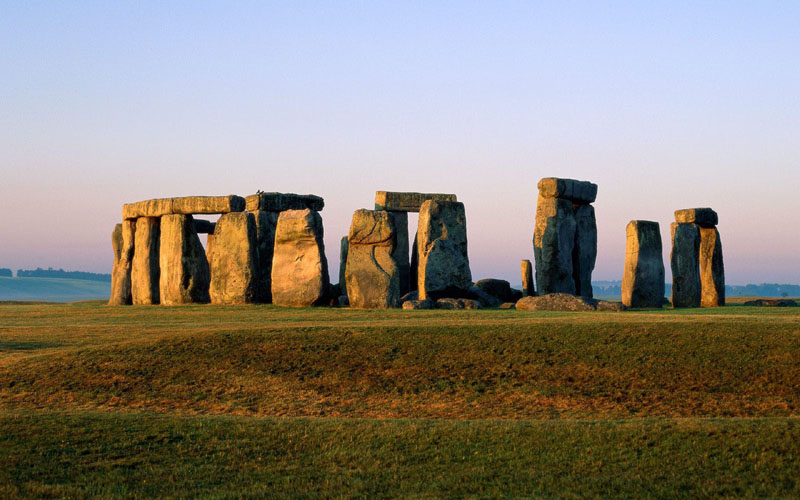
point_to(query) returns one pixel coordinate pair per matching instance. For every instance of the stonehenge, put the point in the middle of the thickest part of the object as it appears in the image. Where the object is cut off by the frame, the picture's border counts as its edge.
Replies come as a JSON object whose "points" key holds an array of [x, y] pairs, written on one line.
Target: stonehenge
{"points": [[643, 276], [565, 236], [698, 271], [184, 275], [443, 269], [234, 264], [299, 267], [145, 270]]}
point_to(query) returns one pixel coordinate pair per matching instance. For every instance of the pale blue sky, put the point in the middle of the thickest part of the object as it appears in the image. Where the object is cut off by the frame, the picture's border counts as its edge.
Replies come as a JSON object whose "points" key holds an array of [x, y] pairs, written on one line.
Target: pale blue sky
{"points": [[664, 105]]}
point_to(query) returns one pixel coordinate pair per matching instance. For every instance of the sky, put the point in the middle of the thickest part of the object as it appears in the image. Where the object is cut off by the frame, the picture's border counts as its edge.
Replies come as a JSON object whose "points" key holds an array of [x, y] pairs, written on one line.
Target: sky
{"points": [[665, 105]]}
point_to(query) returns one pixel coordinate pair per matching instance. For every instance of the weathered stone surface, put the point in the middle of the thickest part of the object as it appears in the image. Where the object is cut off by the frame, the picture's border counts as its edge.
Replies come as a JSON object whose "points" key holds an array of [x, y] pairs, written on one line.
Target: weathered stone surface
{"points": [[145, 271], [501, 289], [407, 202], [584, 254], [234, 261], [566, 302], [186, 205], [508, 305], [643, 276], [613, 306], [202, 226], [417, 304], [703, 217], [343, 249], [299, 267], [374, 258], [122, 241], [184, 268], [685, 263], [527, 279], [579, 192], [486, 299], [443, 269], [553, 244], [278, 202], [343, 301], [266, 223], [413, 267], [772, 303], [450, 303], [412, 295], [712, 269]]}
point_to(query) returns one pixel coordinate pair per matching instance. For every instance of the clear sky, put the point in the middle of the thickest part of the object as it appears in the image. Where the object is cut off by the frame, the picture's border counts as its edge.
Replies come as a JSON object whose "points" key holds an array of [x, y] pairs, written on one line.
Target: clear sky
{"points": [[664, 105]]}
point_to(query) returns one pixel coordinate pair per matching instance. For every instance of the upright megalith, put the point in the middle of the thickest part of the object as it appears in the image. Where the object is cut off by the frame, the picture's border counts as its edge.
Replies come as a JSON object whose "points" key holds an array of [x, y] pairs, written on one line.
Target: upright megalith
{"points": [[685, 264], [712, 269], [266, 223], [643, 276], [234, 262], [377, 248], [526, 268], [698, 271], [184, 268], [565, 236], [122, 241], [344, 248], [299, 267], [443, 269], [146, 271]]}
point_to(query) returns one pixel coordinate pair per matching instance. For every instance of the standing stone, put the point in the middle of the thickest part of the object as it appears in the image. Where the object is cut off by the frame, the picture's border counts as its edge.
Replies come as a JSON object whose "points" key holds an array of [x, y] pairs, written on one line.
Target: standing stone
{"points": [[584, 254], [146, 271], [712, 269], [684, 260], [443, 269], [234, 263], [299, 266], [122, 241], [643, 277], [413, 267], [184, 268], [343, 250], [401, 252], [528, 289], [374, 259], [553, 244], [266, 222]]}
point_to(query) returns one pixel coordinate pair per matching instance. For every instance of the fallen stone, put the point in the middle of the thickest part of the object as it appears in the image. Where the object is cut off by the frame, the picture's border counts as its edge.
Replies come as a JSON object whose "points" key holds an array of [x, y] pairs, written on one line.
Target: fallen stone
{"points": [[418, 304], [584, 254], [187, 205], [234, 262], [299, 267], [643, 276], [580, 192], [556, 302], [343, 248], [604, 305], [486, 299], [279, 202], [553, 245], [343, 301], [412, 295], [500, 289], [145, 271], [407, 202], [772, 303], [712, 269], [122, 241], [508, 305], [375, 254], [204, 226], [453, 303], [528, 288], [685, 263], [184, 269], [703, 217], [266, 223], [443, 269]]}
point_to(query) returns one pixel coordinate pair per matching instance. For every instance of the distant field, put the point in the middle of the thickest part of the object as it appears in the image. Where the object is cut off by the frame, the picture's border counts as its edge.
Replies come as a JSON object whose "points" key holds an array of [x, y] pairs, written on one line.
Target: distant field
{"points": [[52, 289], [317, 403]]}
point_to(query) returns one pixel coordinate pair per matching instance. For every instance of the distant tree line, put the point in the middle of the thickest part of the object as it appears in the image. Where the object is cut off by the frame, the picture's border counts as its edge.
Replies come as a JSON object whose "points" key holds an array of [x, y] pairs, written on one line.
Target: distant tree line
{"points": [[762, 290], [60, 273], [5, 272]]}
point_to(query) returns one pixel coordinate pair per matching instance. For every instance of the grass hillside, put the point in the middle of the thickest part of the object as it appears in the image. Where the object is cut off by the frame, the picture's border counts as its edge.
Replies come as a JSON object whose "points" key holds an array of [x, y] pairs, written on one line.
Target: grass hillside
{"points": [[318, 403], [52, 289]]}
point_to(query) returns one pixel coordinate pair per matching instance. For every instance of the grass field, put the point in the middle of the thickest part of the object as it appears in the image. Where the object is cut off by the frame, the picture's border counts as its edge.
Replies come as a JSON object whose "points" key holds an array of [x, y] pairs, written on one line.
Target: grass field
{"points": [[261, 401]]}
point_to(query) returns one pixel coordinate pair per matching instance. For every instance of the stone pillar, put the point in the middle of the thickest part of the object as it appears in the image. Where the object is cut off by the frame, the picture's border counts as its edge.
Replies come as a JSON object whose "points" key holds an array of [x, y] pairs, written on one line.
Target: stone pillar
{"points": [[184, 268], [413, 267], [122, 240], [528, 289], [266, 222], [584, 254], [553, 244], [684, 260], [400, 221], [376, 251], [712, 269], [299, 267], [344, 247], [643, 276], [443, 269], [146, 271], [234, 263]]}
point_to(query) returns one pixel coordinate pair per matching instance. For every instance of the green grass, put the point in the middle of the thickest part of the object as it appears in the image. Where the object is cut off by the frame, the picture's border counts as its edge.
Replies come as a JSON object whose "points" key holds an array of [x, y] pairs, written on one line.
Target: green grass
{"points": [[261, 401]]}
